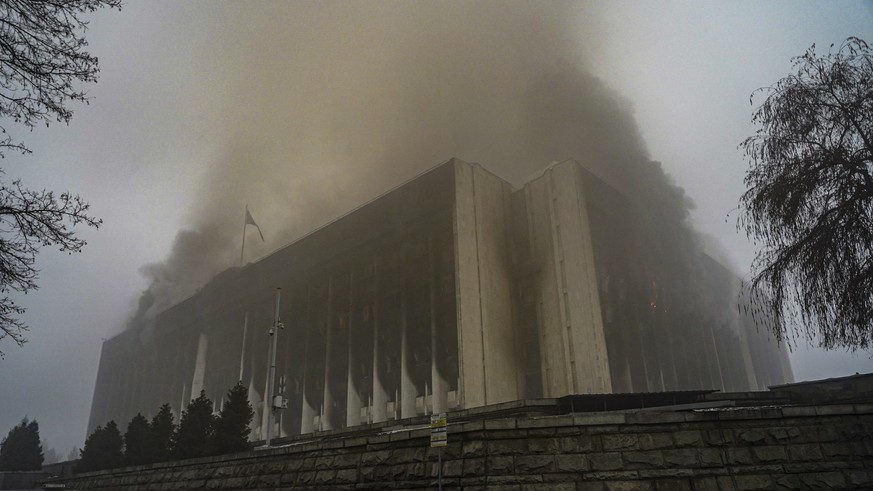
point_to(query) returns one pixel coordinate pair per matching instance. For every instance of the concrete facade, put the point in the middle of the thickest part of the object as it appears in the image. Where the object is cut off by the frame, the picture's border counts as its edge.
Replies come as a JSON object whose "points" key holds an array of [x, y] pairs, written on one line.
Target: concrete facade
{"points": [[452, 291]]}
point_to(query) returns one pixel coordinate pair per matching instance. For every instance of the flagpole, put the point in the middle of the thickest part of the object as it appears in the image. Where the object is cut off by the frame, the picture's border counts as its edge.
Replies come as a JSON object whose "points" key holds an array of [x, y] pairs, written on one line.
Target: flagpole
{"points": [[245, 223]]}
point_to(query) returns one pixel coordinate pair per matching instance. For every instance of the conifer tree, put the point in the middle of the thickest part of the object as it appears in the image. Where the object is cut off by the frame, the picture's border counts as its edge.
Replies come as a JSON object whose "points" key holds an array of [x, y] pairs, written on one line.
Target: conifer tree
{"points": [[162, 432], [195, 429], [21, 449], [232, 425], [135, 441], [50, 455], [102, 449]]}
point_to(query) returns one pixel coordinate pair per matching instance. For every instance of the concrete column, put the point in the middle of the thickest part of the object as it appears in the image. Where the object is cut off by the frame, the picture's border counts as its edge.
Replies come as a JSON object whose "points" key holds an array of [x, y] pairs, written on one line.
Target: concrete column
{"points": [[379, 408], [353, 397], [440, 395], [749, 367], [199, 366], [327, 401], [242, 351], [407, 386], [307, 412]]}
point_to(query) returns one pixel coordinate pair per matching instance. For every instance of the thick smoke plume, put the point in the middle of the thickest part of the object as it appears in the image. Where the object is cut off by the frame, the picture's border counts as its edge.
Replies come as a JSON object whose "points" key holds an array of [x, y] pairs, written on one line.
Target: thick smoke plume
{"points": [[319, 106]]}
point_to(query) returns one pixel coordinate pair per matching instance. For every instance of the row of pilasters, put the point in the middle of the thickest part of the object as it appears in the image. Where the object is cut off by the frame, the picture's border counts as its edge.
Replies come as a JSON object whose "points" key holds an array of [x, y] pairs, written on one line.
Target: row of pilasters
{"points": [[371, 339]]}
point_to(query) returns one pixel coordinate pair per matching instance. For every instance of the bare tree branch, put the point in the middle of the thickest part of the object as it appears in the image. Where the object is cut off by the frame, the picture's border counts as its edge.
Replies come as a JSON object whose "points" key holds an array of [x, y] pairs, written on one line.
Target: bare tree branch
{"points": [[43, 63], [43, 60]]}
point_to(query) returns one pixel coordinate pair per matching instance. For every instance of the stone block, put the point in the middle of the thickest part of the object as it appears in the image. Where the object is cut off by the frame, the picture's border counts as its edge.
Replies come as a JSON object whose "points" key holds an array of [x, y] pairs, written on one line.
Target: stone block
{"points": [[400, 436], [367, 473], [474, 448], [293, 465], [798, 411], [860, 478], [506, 447], [823, 480], [780, 433], [417, 470], [753, 482], [324, 477], [710, 457], [755, 414], [665, 473], [324, 462], [307, 477], [839, 449], [705, 484], [590, 419], [544, 432], [652, 417], [468, 427], [718, 437], [695, 417], [686, 457], [543, 445], [530, 464], [651, 441], [568, 430], [408, 455], [726, 483], [673, 485], [820, 433], [605, 461], [589, 486], [643, 459], [834, 409], [856, 431], [378, 439], [577, 444], [231, 483], [399, 472], [629, 486], [687, 438], [374, 458], [787, 481], [804, 452], [503, 487], [453, 468], [751, 436], [770, 453], [474, 467], [495, 481], [739, 456], [500, 424], [612, 476], [551, 486], [499, 464], [546, 422], [346, 460], [620, 442], [308, 464], [357, 441], [288, 478], [571, 463]]}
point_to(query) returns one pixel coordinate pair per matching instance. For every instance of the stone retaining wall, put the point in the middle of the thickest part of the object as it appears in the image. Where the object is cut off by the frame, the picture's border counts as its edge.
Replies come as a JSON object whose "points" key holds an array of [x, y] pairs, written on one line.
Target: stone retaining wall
{"points": [[806, 447]]}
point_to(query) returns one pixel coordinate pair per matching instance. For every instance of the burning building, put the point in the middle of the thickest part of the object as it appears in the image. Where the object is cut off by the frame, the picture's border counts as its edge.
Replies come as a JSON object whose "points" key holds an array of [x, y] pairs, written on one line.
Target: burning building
{"points": [[452, 290]]}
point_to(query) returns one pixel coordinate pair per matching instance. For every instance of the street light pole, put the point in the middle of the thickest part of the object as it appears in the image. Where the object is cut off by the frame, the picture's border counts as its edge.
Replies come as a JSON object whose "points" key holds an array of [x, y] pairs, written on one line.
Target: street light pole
{"points": [[274, 334]]}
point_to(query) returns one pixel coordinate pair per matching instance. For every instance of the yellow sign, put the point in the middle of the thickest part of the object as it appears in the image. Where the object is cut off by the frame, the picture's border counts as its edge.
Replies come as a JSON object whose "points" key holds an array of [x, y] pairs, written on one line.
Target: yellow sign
{"points": [[438, 430]]}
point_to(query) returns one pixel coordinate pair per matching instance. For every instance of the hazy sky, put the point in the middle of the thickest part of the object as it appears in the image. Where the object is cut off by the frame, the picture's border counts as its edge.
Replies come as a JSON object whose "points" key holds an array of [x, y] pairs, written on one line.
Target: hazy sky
{"points": [[302, 109]]}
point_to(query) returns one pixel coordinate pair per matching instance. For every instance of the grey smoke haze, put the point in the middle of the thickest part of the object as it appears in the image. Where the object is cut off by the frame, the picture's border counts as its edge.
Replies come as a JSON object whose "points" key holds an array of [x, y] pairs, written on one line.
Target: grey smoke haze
{"points": [[193, 94], [338, 110]]}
